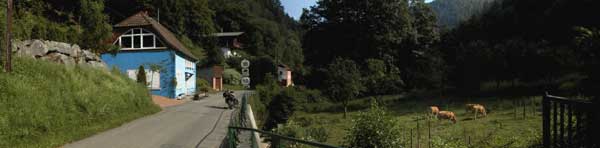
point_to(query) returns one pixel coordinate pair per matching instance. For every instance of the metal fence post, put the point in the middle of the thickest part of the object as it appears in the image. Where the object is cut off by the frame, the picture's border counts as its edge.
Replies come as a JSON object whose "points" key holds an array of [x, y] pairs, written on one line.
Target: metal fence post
{"points": [[275, 142], [546, 121]]}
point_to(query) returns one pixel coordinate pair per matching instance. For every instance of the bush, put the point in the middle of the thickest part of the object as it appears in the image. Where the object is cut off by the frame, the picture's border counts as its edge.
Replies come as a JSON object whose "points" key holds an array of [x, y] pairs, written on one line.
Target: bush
{"points": [[231, 76], [280, 108], [374, 128], [141, 76], [202, 85]]}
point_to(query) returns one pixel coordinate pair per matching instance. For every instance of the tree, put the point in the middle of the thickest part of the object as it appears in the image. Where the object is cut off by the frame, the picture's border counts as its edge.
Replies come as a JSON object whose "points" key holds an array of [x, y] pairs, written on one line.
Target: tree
{"points": [[343, 81], [281, 107], [95, 25], [141, 76]]}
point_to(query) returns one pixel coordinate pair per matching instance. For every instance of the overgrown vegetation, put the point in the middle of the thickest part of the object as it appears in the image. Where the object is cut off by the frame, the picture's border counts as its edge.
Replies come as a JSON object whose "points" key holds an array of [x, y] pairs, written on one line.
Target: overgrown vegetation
{"points": [[47, 105]]}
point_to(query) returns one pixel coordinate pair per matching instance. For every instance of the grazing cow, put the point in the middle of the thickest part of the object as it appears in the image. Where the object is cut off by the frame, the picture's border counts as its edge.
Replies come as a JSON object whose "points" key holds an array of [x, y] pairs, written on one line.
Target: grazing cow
{"points": [[479, 109], [434, 110], [447, 115], [469, 107]]}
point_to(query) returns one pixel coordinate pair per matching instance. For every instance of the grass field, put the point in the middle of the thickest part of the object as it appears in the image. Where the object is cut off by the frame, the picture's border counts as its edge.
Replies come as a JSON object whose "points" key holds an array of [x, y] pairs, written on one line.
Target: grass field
{"points": [[47, 105], [505, 125]]}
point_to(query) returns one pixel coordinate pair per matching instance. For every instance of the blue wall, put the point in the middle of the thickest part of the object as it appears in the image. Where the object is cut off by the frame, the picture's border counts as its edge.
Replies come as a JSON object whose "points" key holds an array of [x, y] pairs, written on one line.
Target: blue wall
{"points": [[126, 60], [186, 87]]}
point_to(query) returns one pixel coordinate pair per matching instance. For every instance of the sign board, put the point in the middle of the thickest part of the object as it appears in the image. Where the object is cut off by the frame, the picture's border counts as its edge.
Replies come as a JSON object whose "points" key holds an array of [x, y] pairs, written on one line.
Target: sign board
{"points": [[245, 73]]}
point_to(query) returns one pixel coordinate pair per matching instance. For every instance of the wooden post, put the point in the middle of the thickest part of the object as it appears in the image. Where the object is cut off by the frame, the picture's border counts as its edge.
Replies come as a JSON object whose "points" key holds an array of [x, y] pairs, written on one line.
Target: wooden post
{"points": [[7, 64], [546, 121], [429, 134], [411, 135], [515, 108], [524, 108], [418, 135]]}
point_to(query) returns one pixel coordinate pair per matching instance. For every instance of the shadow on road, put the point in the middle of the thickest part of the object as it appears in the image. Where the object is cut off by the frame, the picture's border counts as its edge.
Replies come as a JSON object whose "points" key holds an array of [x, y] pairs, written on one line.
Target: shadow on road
{"points": [[216, 107]]}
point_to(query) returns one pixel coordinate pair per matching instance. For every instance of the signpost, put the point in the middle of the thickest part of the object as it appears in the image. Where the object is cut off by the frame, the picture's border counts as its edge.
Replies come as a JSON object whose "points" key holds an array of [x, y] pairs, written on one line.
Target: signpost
{"points": [[245, 73]]}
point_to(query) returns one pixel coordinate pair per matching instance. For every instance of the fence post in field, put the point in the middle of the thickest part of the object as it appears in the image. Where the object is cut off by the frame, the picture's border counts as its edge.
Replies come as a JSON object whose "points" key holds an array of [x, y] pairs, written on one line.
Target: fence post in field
{"points": [[524, 108], [429, 134], [515, 108], [411, 135], [418, 135]]}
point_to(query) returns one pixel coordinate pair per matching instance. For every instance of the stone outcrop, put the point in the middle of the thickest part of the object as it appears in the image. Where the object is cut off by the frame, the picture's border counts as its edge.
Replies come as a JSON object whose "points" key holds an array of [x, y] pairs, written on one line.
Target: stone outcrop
{"points": [[64, 53]]}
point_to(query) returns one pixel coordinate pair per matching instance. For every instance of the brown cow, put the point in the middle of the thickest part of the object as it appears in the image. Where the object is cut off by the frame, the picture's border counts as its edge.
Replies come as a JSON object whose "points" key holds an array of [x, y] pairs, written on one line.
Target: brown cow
{"points": [[479, 109], [469, 107], [434, 110], [447, 115]]}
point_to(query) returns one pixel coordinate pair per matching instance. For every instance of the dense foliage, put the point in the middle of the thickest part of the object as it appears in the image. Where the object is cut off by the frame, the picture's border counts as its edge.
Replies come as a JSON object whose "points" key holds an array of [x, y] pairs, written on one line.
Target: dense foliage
{"points": [[451, 12], [269, 32], [515, 42], [398, 34]]}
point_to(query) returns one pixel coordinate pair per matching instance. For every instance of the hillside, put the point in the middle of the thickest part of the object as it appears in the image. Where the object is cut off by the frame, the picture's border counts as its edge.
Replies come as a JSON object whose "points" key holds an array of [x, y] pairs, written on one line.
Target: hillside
{"points": [[451, 12], [47, 105]]}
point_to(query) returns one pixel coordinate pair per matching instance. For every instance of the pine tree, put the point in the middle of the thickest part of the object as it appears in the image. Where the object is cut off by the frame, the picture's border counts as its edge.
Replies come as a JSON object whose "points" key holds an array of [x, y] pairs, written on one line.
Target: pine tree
{"points": [[141, 75]]}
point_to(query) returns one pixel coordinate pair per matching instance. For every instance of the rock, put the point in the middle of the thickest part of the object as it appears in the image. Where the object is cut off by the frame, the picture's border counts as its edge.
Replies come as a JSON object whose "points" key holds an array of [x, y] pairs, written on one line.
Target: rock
{"points": [[63, 48], [76, 50], [89, 55], [59, 58], [35, 49]]}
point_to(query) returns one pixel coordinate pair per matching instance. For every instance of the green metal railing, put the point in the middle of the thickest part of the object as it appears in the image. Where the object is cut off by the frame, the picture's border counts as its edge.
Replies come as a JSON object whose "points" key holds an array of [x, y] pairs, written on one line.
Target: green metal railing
{"points": [[238, 124], [276, 139]]}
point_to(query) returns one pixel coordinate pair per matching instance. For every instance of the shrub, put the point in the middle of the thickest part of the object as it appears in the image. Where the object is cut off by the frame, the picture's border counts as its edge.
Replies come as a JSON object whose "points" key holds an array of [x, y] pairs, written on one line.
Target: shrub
{"points": [[202, 85], [319, 134], [280, 108], [141, 75], [231, 76], [374, 128]]}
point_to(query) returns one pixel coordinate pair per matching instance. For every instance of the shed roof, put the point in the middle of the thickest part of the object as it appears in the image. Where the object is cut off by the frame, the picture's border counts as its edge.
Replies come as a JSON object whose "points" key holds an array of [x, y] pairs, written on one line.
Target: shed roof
{"points": [[142, 19]]}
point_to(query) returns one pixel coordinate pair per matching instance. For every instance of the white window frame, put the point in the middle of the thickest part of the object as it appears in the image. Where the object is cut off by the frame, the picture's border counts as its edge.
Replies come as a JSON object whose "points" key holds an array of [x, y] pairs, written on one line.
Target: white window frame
{"points": [[153, 85], [141, 34]]}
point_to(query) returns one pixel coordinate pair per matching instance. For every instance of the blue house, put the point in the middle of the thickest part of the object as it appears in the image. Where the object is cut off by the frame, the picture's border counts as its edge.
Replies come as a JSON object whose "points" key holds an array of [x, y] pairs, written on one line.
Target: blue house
{"points": [[170, 66]]}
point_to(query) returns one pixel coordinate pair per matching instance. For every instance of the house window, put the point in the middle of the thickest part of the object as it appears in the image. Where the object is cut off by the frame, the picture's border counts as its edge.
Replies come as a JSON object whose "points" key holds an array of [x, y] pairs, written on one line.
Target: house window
{"points": [[152, 77], [138, 38]]}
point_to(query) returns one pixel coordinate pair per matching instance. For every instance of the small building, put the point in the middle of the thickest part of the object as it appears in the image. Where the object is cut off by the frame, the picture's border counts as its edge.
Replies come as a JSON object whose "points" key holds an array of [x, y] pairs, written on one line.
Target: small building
{"points": [[214, 76], [229, 41], [170, 66], [284, 75]]}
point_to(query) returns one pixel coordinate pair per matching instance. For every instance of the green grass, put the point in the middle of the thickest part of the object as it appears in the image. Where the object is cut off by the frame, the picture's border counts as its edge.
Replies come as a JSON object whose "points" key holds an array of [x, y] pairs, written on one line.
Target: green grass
{"points": [[499, 128], [48, 105]]}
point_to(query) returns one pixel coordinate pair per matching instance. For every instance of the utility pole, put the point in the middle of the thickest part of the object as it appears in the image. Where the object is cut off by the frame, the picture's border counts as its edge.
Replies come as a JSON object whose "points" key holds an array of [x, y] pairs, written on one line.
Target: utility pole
{"points": [[9, 7]]}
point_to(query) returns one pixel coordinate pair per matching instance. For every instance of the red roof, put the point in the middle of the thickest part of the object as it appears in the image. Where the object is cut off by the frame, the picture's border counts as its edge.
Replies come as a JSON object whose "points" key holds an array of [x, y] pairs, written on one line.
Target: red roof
{"points": [[142, 19]]}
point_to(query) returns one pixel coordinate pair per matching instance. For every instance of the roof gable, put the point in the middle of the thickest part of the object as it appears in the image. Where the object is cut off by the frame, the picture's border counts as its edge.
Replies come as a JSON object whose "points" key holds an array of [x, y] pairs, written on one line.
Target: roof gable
{"points": [[142, 19]]}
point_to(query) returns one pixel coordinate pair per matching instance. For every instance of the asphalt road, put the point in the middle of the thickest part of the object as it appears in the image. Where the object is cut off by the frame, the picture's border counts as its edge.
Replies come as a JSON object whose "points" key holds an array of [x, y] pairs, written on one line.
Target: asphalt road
{"points": [[183, 126]]}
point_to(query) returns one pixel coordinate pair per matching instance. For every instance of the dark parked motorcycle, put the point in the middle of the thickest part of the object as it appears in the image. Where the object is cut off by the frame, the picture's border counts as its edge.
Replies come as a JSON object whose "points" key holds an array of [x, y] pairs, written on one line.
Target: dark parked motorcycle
{"points": [[230, 99]]}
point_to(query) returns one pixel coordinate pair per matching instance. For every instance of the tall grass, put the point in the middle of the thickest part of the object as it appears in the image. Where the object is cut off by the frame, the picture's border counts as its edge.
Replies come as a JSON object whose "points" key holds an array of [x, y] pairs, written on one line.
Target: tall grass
{"points": [[47, 105]]}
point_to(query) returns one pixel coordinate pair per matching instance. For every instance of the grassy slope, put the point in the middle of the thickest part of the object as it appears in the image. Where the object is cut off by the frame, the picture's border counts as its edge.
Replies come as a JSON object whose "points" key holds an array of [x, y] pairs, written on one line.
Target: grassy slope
{"points": [[499, 128], [47, 105]]}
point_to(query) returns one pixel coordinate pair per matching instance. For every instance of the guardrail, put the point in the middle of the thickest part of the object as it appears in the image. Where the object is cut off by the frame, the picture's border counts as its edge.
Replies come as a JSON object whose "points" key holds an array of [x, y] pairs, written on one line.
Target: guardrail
{"points": [[276, 139], [567, 122], [239, 126]]}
